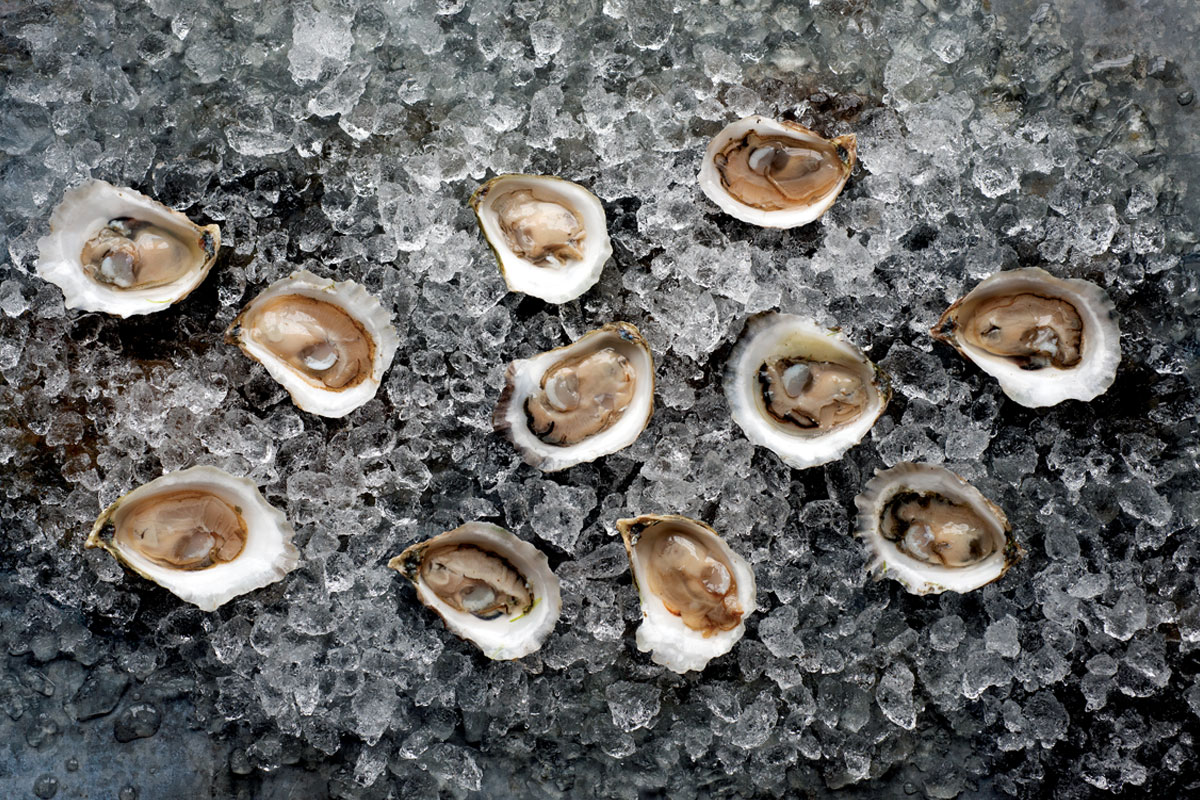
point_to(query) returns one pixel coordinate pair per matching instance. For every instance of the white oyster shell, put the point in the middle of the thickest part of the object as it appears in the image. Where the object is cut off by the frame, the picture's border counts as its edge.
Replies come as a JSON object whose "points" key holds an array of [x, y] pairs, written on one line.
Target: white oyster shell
{"points": [[780, 335], [268, 553], [88, 208], [358, 304], [916, 575], [554, 284], [504, 637], [713, 187], [524, 377], [663, 633], [1100, 353]]}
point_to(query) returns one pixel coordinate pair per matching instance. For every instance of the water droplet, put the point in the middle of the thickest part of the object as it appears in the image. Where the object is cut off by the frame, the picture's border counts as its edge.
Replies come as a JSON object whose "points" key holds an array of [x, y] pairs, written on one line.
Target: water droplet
{"points": [[127, 793], [46, 787], [72, 764], [1186, 97], [137, 722]]}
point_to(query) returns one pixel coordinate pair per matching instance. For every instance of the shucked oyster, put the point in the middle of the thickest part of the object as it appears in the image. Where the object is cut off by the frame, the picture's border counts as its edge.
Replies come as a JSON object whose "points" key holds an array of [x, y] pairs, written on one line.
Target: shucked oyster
{"points": [[577, 403], [1043, 338], [775, 174], [200, 533], [696, 592], [802, 390], [550, 236], [328, 343], [932, 531], [489, 587], [118, 251]]}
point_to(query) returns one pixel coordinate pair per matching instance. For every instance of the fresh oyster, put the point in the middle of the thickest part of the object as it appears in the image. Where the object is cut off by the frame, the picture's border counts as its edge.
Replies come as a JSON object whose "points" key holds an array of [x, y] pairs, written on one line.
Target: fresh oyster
{"points": [[932, 531], [489, 587], [579, 402], [200, 533], [328, 343], [549, 235], [802, 390], [116, 250], [1045, 339], [695, 592], [775, 174]]}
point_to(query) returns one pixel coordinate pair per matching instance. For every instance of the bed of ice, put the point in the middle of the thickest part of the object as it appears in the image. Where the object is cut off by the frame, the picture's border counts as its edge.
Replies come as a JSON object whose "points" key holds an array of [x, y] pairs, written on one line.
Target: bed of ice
{"points": [[345, 137]]}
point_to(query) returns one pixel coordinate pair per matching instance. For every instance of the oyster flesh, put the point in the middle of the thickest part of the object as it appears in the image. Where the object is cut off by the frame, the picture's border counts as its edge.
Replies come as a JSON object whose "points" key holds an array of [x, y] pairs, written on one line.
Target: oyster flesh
{"points": [[200, 533], [549, 235], [579, 402], [328, 343], [775, 174], [1045, 339], [116, 250], [695, 591], [802, 390], [932, 531], [489, 587]]}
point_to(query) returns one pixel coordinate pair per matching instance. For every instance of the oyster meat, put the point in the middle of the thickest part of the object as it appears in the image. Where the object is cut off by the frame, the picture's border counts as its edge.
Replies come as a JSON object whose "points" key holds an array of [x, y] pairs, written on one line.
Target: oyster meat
{"points": [[201, 533], [118, 251], [579, 402], [775, 174], [328, 343], [550, 236], [1043, 338], [802, 390], [489, 587], [932, 531], [695, 591]]}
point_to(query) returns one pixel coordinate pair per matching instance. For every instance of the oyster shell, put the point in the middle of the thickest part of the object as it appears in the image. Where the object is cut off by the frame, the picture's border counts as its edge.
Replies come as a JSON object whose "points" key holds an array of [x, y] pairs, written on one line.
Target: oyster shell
{"points": [[695, 592], [549, 235], [328, 343], [1045, 339], [489, 587], [932, 531], [118, 251], [775, 174], [576, 403], [802, 390], [202, 534]]}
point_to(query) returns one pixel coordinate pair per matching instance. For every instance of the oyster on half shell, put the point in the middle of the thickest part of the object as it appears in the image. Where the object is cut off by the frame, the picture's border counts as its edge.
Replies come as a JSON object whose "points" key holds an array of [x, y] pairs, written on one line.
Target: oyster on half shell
{"points": [[200, 533], [775, 174], [932, 531], [696, 593], [576, 403], [488, 586], [116, 250], [327, 342], [1045, 339], [549, 236], [802, 390]]}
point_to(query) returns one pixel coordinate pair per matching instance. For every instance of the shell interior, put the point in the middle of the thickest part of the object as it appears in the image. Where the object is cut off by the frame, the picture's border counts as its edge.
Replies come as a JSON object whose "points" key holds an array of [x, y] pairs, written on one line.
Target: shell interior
{"points": [[201, 533], [579, 402], [775, 174], [932, 531], [549, 236], [831, 392], [116, 250], [328, 343], [695, 592], [489, 587], [1043, 338]]}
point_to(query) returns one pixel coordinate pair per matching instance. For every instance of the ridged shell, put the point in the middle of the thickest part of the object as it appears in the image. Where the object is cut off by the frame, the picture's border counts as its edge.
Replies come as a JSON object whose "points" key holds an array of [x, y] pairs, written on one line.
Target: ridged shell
{"points": [[86, 209], [558, 284], [663, 634], [524, 376], [267, 556], [918, 577], [355, 301], [500, 639]]}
